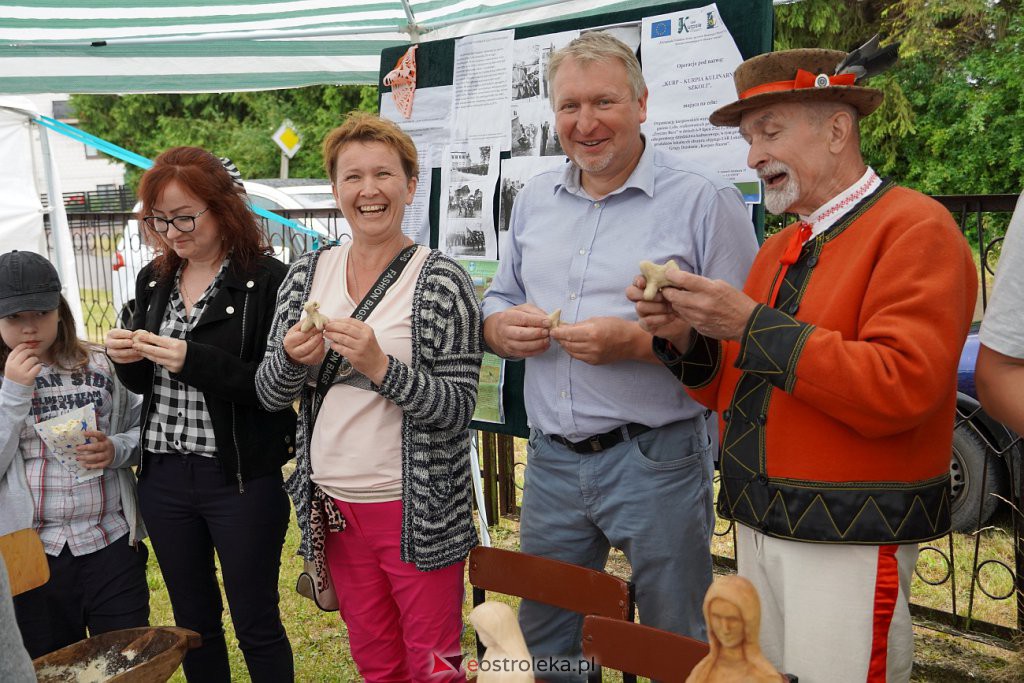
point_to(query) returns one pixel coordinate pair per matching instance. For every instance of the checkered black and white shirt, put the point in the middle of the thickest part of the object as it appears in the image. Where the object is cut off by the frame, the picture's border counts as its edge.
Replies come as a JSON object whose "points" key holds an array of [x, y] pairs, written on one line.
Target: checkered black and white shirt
{"points": [[178, 419]]}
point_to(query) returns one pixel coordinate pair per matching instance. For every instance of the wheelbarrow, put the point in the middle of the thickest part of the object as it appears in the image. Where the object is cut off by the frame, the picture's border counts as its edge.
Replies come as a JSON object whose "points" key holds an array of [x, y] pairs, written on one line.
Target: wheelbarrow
{"points": [[132, 655]]}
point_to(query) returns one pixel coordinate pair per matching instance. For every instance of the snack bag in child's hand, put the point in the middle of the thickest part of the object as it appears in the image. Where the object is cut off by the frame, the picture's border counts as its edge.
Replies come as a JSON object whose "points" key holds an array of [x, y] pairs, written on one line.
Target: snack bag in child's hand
{"points": [[65, 433]]}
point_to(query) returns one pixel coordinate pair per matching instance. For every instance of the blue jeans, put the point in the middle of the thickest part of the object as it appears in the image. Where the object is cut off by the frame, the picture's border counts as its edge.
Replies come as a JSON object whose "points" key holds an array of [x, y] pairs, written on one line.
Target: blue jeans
{"points": [[651, 497]]}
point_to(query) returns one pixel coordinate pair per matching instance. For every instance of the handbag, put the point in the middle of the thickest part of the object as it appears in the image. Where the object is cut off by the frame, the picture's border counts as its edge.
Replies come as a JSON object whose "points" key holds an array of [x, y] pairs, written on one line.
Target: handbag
{"points": [[314, 581], [317, 586]]}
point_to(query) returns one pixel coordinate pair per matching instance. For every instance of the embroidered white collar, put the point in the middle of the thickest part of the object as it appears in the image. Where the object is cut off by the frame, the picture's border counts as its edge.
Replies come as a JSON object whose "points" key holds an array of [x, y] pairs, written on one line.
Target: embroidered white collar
{"points": [[829, 213]]}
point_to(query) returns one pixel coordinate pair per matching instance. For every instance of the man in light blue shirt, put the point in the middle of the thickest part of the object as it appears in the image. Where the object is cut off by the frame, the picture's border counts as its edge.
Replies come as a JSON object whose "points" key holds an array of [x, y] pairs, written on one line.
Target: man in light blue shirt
{"points": [[619, 455]]}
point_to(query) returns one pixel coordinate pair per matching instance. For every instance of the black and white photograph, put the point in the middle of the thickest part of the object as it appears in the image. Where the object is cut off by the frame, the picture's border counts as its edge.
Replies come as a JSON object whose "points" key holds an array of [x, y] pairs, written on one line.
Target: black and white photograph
{"points": [[526, 77], [469, 177], [515, 174], [509, 189], [533, 131], [465, 201], [474, 161], [530, 57], [466, 238]]}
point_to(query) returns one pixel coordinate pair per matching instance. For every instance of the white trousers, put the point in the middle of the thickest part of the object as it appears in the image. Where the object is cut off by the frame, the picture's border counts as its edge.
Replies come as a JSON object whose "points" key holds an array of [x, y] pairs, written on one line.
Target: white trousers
{"points": [[832, 613]]}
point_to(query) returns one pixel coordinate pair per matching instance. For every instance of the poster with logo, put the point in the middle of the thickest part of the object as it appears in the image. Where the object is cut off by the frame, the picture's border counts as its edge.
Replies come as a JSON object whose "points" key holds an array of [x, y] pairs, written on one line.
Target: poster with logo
{"points": [[689, 58]]}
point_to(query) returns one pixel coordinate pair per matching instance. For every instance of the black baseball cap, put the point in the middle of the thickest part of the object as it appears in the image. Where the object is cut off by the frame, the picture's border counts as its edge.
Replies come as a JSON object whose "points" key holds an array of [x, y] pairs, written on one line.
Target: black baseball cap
{"points": [[28, 282]]}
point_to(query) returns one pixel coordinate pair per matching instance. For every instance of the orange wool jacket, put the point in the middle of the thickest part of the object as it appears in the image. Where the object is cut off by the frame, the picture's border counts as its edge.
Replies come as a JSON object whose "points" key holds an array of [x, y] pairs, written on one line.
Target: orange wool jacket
{"points": [[837, 405]]}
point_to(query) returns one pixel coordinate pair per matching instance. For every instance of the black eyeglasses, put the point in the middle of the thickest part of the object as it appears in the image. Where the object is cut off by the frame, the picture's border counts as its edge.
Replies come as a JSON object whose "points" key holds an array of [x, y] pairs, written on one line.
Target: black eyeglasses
{"points": [[180, 223]]}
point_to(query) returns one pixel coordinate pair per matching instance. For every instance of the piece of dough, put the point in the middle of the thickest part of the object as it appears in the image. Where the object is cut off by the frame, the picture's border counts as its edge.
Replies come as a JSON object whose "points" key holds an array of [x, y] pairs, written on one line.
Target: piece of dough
{"points": [[655, 276], [314, 318], [555, 318], [65, 429]]}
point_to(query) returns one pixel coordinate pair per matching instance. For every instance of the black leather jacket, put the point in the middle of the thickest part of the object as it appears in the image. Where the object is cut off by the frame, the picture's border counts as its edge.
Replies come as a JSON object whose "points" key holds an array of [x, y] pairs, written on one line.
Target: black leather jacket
{"points": [[224, 350]]}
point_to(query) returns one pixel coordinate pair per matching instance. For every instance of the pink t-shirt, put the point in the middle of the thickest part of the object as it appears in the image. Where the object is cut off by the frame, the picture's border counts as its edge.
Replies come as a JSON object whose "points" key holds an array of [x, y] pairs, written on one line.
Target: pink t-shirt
{"points": [[356, 449]]}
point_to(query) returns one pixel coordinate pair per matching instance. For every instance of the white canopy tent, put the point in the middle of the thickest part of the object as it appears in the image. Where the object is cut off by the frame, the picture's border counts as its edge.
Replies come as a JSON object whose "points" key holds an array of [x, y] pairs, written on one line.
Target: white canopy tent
{"points": [[27, 172], [178, 46], [164, 46], [154, 46]]}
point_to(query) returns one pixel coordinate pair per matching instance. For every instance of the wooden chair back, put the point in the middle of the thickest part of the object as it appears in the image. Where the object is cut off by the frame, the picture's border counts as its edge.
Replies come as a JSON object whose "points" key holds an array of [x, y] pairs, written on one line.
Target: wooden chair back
{"points": [[560, 584], [638, 650], [27, 567]]}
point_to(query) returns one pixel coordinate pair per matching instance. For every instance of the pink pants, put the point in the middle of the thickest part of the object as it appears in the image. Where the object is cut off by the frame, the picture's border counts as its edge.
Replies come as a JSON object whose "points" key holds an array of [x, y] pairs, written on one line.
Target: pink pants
{"points": [[398, 617]]}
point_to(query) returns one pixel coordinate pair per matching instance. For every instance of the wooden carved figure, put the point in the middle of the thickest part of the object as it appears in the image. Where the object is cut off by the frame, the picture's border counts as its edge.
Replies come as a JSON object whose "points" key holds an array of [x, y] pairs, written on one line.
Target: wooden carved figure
{"points": [[507, 660], [732, 610]]}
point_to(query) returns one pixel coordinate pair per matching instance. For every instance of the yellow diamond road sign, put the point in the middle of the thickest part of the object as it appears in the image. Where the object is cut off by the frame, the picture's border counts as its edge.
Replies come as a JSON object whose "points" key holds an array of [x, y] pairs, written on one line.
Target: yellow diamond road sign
{"points": [[288, 139]]}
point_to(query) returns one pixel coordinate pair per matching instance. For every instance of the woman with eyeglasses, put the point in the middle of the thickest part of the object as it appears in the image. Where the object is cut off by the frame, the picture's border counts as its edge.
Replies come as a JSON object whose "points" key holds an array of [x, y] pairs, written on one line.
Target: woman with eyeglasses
{"points": [[210, 476]]}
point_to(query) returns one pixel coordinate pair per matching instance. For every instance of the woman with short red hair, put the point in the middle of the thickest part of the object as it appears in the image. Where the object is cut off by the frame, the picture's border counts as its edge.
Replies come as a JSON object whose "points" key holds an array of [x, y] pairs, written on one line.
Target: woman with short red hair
{"points": [[210, 477]]}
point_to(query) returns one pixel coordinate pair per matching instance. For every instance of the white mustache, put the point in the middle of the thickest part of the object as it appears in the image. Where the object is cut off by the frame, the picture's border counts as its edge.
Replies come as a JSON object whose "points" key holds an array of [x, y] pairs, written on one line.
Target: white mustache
{"points": [[772, 169]]}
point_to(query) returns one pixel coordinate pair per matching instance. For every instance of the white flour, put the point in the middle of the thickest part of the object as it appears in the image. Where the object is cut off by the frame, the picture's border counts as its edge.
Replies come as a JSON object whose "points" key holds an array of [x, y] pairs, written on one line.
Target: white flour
{"points": [[97, 670]]}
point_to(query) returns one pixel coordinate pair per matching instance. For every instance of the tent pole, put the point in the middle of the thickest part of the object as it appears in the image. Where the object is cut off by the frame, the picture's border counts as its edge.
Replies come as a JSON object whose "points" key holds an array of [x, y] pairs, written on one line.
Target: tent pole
{"points": [[413, 28], [60, 235], [51, 193]]}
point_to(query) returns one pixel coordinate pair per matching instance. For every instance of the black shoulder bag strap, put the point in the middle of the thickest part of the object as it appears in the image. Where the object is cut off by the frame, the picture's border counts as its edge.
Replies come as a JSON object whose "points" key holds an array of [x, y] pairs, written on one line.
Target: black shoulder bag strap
{"points": [[335, 363]]}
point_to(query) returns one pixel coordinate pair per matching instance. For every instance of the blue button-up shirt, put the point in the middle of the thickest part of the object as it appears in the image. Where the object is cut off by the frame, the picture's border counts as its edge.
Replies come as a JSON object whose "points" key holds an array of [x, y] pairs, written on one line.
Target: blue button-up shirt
{"points": [[567, 250]]}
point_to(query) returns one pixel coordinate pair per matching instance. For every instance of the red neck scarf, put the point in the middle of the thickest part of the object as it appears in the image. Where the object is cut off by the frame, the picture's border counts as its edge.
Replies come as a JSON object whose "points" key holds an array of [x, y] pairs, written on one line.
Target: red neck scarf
{"points": [[796, 242]]}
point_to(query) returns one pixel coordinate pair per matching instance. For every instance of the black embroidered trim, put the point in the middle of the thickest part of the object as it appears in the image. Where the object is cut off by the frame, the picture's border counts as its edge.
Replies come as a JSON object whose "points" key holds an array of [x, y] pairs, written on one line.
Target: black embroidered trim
{"points": [[702, 363], [771, 346], [858, 513]]}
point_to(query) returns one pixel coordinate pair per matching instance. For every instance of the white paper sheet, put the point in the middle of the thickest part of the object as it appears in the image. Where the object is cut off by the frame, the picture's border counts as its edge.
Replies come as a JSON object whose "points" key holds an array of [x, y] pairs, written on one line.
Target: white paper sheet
{"points": [[482, 80], [689, 59], [429, 129], [416, 221], [533, 120], [469, 173], [64, 433], [430, 122]]}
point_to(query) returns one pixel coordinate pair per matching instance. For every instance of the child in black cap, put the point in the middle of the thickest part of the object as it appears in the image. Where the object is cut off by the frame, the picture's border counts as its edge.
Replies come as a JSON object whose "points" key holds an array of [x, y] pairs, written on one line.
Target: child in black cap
{"points": [[90, 528]]}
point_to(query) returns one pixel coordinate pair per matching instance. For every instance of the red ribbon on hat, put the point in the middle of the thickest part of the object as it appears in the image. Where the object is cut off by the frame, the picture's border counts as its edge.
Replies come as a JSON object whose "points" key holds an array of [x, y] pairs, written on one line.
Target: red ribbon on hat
{"points": [[804, 79]]}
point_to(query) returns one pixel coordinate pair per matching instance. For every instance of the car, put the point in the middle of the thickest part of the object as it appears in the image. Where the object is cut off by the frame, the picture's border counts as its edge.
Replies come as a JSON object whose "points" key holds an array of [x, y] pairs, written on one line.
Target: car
{"points": [[273, 194], [985, 451]]}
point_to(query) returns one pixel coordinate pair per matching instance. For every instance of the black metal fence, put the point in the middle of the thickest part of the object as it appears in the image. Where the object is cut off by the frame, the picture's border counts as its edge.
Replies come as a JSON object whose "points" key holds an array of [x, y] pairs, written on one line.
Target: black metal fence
{"points": [[119, 198], [110, 250], [994, 578], [972, 583]]}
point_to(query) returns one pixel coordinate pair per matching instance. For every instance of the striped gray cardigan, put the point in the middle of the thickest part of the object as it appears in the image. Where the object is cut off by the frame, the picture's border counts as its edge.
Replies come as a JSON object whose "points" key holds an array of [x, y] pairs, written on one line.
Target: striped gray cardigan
{"points": [[437, 395]]}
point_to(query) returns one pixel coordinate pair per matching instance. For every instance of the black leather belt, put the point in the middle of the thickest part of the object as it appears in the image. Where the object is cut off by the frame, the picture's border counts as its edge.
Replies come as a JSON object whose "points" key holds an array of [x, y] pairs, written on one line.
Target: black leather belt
{"points": [[601, 442]]}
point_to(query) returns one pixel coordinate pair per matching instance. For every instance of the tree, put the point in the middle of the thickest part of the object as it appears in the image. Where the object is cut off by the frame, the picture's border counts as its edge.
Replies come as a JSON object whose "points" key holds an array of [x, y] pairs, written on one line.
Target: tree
{"points": [[235, 125], [951, 121]]}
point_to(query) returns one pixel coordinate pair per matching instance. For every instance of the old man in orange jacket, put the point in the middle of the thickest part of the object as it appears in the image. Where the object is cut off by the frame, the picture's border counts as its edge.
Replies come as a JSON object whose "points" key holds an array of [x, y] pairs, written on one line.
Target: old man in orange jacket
{"points": [[834, 371]]}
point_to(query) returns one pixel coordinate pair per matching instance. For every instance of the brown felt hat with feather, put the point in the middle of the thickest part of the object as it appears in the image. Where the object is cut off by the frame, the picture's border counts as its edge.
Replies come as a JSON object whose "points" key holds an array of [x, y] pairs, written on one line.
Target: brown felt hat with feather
{"points": [[802, 75]]}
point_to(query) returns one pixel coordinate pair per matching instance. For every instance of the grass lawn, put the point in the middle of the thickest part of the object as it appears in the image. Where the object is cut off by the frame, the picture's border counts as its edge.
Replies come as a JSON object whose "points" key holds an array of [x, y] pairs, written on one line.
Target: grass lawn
{"points": [[97, 313], [320, 641]]}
